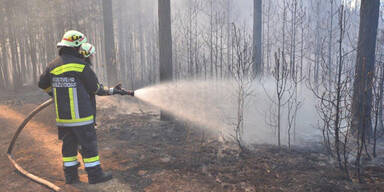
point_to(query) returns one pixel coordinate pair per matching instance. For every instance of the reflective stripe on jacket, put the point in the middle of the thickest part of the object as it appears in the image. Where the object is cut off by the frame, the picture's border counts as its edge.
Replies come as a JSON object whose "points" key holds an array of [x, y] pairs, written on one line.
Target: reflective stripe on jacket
{"points": [[73, 85]]}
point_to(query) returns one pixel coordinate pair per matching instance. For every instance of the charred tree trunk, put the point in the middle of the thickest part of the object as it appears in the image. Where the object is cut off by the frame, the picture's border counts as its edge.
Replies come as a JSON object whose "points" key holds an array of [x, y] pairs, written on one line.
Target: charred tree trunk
{"points": [[165, 45], [211, 39], [364, 73], [364, 70], [229, 64], [330, 42], [317, 47], [132, 46], [122, 51], [109, 42], [257, 37], [143, 62], [293, 41]]}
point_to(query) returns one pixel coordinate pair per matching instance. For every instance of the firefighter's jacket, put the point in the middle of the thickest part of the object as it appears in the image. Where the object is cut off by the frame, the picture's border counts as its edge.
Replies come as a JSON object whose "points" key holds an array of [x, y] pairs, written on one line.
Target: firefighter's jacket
{"points": [[73, 84]]}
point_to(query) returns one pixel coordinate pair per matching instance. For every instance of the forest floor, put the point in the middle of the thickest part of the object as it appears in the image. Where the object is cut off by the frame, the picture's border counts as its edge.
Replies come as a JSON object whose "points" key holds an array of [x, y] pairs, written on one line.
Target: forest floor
{"points": [[146, 154]]}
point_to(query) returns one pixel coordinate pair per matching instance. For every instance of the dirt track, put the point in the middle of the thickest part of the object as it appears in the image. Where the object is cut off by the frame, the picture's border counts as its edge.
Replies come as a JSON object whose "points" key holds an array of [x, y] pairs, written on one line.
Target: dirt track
{"points": [[37, 150], [145, 154]]}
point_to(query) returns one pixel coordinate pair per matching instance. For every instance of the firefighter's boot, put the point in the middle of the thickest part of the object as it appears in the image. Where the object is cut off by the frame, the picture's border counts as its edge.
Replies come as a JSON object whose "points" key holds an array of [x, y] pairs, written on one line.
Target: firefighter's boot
{"points": [[71, 174], [97, 175]]}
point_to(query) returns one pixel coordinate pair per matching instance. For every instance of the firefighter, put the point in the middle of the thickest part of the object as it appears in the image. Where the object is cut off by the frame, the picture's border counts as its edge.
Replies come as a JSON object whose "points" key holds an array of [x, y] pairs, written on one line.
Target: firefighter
{"points": [[73, 85]]}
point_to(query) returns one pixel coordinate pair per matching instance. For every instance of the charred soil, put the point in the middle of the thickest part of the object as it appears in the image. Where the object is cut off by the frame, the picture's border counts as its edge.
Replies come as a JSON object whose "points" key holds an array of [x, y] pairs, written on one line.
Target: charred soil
{"points": [[146, 154]]}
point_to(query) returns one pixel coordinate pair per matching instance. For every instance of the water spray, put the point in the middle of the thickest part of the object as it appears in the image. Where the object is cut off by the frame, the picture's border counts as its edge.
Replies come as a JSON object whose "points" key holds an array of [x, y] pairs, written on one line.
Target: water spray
{"points": [[212, 104]]}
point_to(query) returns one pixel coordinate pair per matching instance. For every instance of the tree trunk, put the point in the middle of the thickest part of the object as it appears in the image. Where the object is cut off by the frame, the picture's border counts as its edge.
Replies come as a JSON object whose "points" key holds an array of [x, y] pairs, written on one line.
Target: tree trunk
{"points": [[302, 51], [330, 42], [268, 37], [229, 64], [122, 51], [155, 55], [32, 51], [141, 44], [23, 74], [165, 45], [5, 62], [221, 51], [211, 39], [257, 37], [364, 69], [189, 41], [317, 47], [132, 46], [109, 42], [14, 50], [381, 91], [293, 41]]}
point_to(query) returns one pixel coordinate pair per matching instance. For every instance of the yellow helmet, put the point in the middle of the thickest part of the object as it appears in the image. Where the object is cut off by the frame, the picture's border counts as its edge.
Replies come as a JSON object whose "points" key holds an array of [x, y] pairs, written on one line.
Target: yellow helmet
{"points": [[72, 38], [87, 49]]}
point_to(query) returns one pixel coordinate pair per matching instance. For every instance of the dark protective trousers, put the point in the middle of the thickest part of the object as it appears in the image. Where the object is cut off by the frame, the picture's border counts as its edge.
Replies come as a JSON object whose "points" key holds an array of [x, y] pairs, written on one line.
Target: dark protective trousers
{"points": [[83, 137]]}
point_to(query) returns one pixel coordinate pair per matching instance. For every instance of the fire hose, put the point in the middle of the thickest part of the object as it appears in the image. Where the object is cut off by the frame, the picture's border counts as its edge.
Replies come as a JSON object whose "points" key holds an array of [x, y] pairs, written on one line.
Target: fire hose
{"points": [[13, 141], [21, 127]]}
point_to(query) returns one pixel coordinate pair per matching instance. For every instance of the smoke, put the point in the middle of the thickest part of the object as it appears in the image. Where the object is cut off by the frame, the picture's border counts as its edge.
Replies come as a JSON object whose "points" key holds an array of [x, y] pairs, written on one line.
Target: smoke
{"points": [[213, 105]]}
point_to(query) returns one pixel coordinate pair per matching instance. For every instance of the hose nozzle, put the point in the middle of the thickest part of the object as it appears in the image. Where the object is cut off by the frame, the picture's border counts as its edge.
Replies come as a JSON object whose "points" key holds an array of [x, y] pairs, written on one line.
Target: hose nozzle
{"points": [[121, 91], [127, 92], [131, 93]]}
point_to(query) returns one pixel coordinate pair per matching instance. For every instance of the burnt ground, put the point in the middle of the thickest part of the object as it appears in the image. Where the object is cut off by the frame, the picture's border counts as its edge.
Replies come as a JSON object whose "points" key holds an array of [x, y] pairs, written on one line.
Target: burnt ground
{"points": [[146, 154]]}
